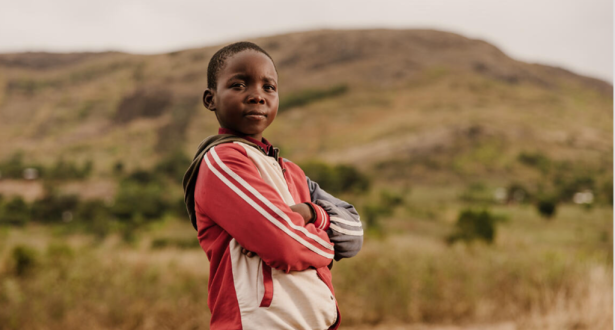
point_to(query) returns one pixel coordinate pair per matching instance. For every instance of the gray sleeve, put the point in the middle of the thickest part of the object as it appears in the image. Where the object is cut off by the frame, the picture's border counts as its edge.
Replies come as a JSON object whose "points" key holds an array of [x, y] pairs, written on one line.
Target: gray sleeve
{"points": [[345, 230]]}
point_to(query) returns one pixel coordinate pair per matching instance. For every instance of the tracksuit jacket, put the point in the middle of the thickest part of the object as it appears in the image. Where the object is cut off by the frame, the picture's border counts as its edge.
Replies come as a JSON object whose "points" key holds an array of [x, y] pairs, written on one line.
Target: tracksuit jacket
{"points": [[238, 192]]}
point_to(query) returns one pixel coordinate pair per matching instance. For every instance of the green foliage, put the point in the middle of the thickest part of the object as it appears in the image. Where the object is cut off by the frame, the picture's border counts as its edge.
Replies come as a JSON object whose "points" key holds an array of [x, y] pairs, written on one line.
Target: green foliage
{"points": [[140, 177], [476, 192], [135, 201], [181, 243], [174, 166], [547, 207], [568, 185], [24, 260], [94, 217], [14, 212], [53, 207], [62, 170], [13, 167], [377, 209], [535, 159], [140, 199], [308, 96], [66, 170], [474, 225], [337, 179], [517, 192]]}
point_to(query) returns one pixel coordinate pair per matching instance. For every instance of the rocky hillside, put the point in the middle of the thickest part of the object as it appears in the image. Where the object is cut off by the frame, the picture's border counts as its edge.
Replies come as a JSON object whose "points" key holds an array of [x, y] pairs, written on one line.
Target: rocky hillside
{"points": [[403, 102]]}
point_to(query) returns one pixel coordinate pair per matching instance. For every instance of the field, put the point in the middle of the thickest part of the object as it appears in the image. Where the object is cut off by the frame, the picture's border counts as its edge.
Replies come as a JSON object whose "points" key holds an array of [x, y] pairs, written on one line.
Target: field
{"points": [[538, 274]]}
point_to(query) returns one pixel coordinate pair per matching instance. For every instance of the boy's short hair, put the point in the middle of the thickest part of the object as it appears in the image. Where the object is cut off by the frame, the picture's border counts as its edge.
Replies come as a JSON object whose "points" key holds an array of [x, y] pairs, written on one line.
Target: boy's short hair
{"points": [[217, 61]]}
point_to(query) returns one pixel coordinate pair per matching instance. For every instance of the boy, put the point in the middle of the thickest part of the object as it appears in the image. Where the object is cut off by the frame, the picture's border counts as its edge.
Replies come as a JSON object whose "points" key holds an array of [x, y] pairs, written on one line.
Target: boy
{"points": [[268, 231]]}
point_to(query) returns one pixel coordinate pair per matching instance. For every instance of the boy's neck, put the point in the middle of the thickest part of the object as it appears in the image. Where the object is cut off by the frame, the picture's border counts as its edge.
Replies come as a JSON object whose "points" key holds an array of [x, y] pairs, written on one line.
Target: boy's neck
{"points": [[264, 144]]}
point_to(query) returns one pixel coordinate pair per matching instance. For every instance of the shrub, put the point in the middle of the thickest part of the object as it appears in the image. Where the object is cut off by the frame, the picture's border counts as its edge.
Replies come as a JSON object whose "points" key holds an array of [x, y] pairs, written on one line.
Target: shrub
{"points": [[13, 167], [52, 206], [185, 243], [337, 179], [174, 166], [135, 201], [547, 206], [66, 170], [24, 260], [15, 212], [141, 177], [516, 192], [94, 216], [535, 159], [118, 168], [568, 186], [474, 225]]}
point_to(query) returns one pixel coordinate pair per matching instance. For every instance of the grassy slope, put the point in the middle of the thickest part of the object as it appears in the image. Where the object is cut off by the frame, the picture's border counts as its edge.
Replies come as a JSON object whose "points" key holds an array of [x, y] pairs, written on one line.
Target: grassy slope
{"points": [[448, 95]]}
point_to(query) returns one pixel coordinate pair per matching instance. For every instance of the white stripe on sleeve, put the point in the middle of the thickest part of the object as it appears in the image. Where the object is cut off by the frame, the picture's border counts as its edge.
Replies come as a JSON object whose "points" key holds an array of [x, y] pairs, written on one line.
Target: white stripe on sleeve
{"points": [[346, 231], [264, 213], [265, 201], [347, 222]]}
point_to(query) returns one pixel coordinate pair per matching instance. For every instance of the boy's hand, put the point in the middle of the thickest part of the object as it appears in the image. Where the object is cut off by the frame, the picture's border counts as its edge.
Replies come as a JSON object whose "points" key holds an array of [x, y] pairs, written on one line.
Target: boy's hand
{"points": [[304, 210], [249, 254]]}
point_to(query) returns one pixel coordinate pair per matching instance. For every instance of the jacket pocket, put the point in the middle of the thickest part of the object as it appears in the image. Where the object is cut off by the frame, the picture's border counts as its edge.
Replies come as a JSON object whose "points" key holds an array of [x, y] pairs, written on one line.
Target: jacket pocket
{"points": [[268, 286]]}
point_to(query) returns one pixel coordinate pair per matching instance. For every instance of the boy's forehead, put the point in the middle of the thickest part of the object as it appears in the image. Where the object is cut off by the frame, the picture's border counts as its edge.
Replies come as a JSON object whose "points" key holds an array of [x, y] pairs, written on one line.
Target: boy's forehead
{"points": [[250, 62]]}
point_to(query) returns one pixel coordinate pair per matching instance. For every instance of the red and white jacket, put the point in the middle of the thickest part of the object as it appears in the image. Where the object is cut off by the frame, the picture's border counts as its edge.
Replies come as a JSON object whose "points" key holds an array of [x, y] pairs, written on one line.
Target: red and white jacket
{"points": [[243, 199]]}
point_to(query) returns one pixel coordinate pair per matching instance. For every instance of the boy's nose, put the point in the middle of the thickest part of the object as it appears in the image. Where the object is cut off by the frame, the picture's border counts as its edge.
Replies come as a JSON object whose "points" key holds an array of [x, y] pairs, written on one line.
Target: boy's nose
{"points": [[256, 99]]}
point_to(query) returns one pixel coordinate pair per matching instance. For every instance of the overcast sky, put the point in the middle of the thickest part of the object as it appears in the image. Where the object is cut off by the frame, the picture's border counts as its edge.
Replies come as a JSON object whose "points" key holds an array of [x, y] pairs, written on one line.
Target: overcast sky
{"points": [[574, 34]]}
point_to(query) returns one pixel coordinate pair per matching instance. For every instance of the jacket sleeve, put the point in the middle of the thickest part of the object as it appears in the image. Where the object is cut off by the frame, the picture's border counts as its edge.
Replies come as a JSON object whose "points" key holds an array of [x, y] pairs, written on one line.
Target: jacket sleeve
{"points": [[345, 228], [238, 200]]}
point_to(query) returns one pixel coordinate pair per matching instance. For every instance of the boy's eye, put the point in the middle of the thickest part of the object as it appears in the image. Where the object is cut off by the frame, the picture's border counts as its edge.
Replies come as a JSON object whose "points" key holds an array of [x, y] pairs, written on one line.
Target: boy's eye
{"points": [[235, 85], [269, 87]]}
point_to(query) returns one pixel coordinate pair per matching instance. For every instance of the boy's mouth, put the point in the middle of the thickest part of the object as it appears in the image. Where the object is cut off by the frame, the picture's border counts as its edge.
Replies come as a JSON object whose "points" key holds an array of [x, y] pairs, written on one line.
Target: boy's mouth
{"points": [[256, 115]]}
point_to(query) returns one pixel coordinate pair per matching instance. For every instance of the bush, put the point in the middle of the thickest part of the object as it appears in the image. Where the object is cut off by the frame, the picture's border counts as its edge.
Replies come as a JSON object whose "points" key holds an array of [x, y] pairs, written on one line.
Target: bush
{"points": [[65, 170], [474, 225], [94, 216], [337, 179], [174, 166], [535, 159], [24, 259], [53, 207], [15, 212], [568, 186], [547, 206], [476, 192], [517, 193], [186, 243], [141, 177]]}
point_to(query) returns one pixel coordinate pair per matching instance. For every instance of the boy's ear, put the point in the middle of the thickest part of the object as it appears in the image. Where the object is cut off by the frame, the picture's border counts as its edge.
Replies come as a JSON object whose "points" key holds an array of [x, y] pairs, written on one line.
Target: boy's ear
{"points": [[209, 100]]}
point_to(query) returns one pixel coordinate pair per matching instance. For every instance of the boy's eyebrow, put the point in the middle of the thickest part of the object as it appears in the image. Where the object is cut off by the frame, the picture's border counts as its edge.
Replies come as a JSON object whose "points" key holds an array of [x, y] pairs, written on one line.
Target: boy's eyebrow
{"points": [[242, 76], [269, 79]]}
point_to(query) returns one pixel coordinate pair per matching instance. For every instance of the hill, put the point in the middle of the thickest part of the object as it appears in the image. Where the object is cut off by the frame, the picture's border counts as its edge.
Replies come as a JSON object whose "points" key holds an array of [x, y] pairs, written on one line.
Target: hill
{"points": [[401, 102]]}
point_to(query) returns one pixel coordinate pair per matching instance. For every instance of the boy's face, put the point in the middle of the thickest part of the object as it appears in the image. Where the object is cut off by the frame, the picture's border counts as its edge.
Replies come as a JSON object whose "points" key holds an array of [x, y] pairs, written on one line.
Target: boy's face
{"points": [[246, 98]]}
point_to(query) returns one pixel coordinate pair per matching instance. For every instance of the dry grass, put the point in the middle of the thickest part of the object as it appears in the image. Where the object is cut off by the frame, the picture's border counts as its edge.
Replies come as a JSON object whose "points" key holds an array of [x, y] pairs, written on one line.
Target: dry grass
{"points": [[409, 280]]}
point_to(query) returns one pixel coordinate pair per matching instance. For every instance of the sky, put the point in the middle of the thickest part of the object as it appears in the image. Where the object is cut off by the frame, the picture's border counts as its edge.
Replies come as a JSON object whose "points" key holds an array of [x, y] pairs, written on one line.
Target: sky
{"points": [[574, 34]]}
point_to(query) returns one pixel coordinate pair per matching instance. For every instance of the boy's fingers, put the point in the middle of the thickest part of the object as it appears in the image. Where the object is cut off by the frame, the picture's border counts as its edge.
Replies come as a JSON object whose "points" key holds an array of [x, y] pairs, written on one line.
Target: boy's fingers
{"points": [[249, 254]]}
